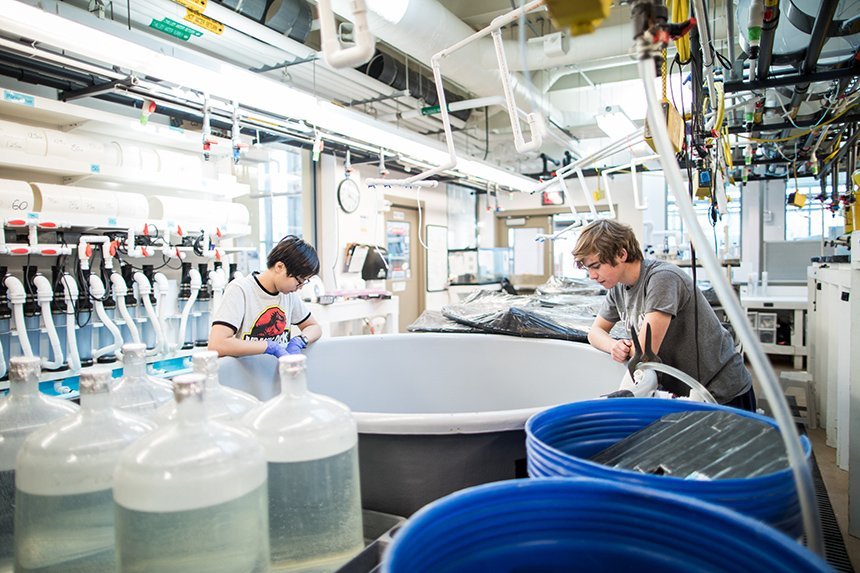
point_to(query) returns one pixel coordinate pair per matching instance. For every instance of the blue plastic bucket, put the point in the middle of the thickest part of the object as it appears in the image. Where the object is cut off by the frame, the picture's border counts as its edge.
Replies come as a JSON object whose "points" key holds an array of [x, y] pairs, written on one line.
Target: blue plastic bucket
{"points": [[560, 441], [563, 524]]}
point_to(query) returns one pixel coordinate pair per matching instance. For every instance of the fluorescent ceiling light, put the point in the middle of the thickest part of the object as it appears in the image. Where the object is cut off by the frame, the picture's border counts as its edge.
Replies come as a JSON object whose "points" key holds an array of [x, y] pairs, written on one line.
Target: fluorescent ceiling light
{"points": [[231, 83], [614, 122]]}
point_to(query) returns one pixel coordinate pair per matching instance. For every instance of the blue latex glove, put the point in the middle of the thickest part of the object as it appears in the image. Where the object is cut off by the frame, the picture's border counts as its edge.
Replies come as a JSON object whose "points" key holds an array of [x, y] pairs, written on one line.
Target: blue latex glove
{"points": [[276, 349], [296, 344]]}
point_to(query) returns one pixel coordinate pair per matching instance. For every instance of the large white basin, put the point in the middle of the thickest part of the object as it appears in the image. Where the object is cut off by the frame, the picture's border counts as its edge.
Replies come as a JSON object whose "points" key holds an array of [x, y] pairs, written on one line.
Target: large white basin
{"points": [[438, 412]]}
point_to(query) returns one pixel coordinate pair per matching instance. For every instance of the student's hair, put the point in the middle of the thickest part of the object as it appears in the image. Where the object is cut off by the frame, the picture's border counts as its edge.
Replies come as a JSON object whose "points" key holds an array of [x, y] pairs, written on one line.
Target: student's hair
{"points": [[606, 239], [298, 256]]}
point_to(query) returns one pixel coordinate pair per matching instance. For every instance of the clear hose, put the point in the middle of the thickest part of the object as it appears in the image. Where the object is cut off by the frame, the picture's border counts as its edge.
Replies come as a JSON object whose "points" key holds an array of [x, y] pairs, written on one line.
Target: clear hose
{"points": [[765, 374]]}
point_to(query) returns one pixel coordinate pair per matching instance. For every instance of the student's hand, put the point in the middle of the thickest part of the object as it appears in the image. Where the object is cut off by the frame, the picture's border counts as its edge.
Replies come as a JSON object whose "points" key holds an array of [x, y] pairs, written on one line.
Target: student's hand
{"points": [[276, 349], [621, 350], [297, 344]]}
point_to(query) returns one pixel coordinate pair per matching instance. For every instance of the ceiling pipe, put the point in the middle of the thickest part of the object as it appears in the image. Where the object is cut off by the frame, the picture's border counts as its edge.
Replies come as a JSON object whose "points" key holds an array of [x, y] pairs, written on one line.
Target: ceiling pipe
{"points": [[768, 33], [826, 11], [422, 28]]}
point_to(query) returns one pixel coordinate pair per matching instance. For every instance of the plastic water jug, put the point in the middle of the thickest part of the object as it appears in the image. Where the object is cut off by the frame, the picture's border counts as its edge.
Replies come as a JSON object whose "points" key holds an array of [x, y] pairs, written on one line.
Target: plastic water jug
{"points": [[23, 411], [311, 444], [222, 403], [136, 391], [192, 495], [64, 515]]}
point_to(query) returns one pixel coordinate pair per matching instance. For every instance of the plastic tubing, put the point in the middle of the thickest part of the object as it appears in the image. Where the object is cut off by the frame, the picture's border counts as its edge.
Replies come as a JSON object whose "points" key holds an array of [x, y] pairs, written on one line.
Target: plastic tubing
{"points": [[145, 288], [765, 374], [17, 296], [160, 308], [196, 282], [44, 294], [97, 290], [120, 289], [680, 375]]}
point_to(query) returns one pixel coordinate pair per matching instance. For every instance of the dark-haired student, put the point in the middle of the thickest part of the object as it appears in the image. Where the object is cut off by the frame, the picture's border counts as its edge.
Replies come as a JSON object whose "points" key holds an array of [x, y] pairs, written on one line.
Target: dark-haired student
{"points": [[257, 311]]}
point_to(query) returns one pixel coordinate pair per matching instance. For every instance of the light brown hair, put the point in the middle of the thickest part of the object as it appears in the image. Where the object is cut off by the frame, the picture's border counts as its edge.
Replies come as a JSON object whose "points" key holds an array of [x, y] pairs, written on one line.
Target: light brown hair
{"points": [[606, 239]]}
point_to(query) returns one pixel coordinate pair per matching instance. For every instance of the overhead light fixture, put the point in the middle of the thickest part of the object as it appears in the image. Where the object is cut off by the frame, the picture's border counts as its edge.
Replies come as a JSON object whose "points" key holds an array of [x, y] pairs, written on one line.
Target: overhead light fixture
{"points": [[230, 83], [614, 122]]}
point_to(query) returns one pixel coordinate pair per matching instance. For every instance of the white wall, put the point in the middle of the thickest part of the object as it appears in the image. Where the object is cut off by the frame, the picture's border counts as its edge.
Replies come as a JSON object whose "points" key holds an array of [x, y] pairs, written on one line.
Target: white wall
{"points": [[367, 223]]}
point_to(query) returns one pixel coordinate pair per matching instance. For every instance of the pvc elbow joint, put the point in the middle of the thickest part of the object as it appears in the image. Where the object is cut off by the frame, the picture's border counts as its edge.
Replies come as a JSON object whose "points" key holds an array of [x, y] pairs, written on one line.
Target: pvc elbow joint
{"points": [[97, 288], [143, 285], [43, 289], [15, 290], [119, 286]]}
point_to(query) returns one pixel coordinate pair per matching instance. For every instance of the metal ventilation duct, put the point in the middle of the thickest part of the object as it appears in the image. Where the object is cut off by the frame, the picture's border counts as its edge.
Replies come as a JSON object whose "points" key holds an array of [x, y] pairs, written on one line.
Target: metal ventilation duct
{"points": [[290, 17], [390, 71]]}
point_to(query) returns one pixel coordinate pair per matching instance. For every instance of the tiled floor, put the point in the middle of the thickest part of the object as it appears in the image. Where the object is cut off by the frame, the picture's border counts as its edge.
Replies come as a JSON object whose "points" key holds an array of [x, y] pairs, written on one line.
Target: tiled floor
{"points": [[835, 479]]}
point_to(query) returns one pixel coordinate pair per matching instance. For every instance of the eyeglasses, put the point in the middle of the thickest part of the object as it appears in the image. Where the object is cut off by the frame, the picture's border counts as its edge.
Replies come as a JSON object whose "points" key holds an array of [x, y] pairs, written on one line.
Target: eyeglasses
{"points": [[302, 282], [592, 267]]}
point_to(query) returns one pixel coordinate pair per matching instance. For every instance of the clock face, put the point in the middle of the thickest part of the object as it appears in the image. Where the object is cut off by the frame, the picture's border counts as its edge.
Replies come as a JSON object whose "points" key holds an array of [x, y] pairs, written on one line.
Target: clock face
{"points": [[348, 195]]}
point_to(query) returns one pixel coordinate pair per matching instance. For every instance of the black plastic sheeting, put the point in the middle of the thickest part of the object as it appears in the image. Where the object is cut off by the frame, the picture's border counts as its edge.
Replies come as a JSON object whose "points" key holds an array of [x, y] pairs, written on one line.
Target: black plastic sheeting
{"points": [[562, 316], [563, 309]]}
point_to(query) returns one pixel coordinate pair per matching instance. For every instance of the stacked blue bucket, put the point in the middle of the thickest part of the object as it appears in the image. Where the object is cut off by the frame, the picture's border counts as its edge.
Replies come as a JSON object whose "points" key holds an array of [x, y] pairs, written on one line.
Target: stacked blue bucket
{"points": [[585, 516], [560, 441]]}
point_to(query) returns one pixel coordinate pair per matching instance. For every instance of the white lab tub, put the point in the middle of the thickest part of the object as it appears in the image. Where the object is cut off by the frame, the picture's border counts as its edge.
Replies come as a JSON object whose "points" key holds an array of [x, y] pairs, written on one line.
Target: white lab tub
{"points": [[438, 412]]}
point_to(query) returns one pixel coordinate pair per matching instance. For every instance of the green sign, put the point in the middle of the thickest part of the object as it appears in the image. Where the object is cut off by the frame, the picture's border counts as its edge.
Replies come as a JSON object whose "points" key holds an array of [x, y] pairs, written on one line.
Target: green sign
{"points": [[175, 29]]}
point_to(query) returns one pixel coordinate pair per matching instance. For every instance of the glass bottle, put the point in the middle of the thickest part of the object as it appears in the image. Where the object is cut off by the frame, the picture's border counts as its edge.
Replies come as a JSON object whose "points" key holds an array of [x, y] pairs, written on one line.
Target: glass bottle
{"points": [[222, 403], [191, 496], [23, 411], [137, 392], [64, 517], [311, 445]]}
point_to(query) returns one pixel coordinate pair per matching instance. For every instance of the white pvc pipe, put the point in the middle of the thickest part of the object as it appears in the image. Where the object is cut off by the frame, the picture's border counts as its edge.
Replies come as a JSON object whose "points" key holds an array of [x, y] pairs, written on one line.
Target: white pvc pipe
{"points": [[97, 290], [607, 151], [534, 119], [44, 296], [120, 289], [18, 296], [587, 194], [144, 288], [334, 54], [736, 314], [161, 290], [73, 356], [196, 282]]}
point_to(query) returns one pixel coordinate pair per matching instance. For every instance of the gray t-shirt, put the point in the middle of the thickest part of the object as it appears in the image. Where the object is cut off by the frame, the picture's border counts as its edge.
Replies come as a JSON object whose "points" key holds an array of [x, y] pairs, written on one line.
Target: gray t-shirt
{"points": [[257, 314], [664, 287]]}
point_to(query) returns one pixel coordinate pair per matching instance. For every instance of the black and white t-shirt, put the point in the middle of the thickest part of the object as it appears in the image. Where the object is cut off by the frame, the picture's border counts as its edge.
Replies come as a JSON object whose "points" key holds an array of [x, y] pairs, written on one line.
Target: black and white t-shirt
{"points": [[665, 288], [257, 314]]}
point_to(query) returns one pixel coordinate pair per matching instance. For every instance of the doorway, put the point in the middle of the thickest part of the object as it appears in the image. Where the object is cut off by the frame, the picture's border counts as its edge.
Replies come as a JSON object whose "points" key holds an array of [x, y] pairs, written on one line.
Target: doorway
{"points": [[406, 262], [532, 260]]}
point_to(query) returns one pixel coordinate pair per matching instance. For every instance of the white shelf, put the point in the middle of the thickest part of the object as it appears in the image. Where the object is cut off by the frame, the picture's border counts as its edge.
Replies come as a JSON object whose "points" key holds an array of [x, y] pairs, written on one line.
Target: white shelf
{"points": [[77, 172]]}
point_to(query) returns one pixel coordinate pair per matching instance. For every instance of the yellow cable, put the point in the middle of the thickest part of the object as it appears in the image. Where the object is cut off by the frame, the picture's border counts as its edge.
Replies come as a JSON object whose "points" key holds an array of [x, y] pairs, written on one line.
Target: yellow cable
{"points": [[664, 75], [796, 136], [835, 149], [721, 105], [680, 13]]}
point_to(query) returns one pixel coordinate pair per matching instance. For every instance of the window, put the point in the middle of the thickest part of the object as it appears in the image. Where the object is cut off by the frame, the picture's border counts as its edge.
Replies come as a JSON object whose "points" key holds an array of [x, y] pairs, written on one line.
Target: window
{"points": [[725, 234], [563, 264], [279, 191], [814, 219]]}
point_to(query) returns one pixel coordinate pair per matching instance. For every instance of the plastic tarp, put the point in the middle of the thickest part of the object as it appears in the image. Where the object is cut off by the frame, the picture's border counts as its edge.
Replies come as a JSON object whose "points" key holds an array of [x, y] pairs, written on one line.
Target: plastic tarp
{"points": [[560, 316]]}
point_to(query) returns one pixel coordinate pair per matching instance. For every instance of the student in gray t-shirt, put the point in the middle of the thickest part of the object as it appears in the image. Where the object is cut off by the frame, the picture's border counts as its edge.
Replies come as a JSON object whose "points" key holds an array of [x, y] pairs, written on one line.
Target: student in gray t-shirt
{"points": [[685, 332]]}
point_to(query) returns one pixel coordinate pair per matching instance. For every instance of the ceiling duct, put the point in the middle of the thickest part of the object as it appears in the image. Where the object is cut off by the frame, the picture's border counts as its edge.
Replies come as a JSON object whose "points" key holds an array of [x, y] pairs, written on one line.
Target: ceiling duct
{"points": [[390, 71], [292, 18]]}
